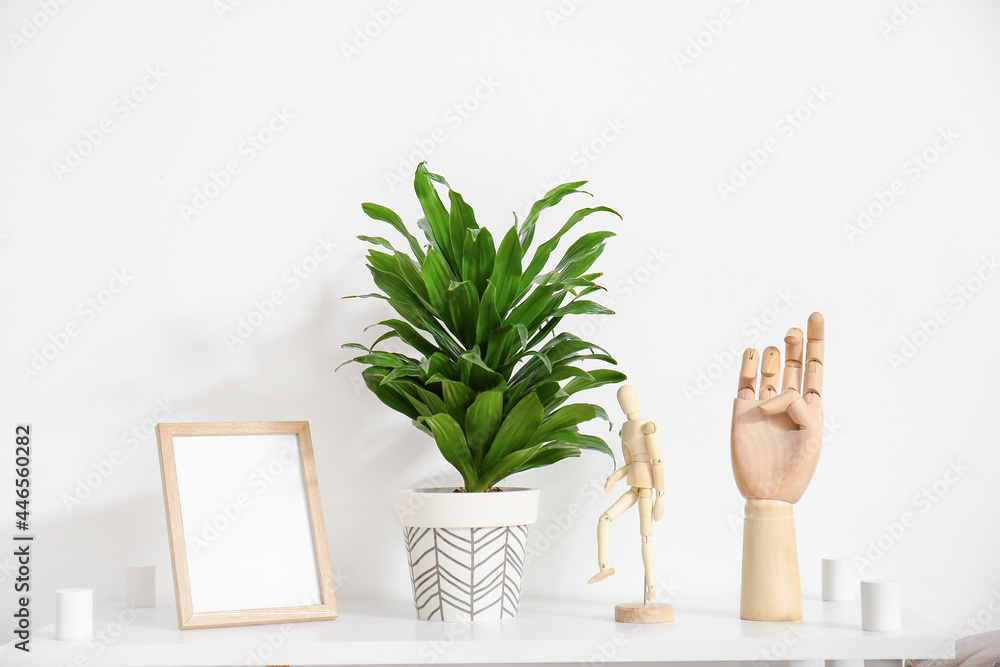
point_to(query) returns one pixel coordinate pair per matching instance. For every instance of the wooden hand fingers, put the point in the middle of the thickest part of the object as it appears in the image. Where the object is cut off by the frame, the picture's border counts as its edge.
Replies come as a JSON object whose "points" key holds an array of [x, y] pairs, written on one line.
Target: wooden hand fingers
{"points": [[812, 386], [748, 374], [770, 365]]}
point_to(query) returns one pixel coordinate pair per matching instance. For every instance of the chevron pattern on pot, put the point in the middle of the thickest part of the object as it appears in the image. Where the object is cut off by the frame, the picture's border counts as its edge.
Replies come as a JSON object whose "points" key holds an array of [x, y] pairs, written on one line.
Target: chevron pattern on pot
{"points": [[466, 574]]}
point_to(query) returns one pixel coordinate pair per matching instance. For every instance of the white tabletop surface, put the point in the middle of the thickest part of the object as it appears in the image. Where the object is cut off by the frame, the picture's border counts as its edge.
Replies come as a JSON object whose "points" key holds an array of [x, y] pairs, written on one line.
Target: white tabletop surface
{"points": [[386, 632]]}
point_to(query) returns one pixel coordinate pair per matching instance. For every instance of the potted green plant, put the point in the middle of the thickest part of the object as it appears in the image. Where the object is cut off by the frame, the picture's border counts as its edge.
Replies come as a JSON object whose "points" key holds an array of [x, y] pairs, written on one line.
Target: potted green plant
{"points": [[488, 378]]}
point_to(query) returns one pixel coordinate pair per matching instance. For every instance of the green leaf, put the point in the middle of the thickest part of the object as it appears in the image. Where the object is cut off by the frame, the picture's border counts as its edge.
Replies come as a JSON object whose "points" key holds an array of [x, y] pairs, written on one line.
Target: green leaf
{"points": [[517, 429], [457, 399], [577, 439], [478, 257], [462, 308], [370, 295], [377, 240], [460, 218], [440, 364], [410, 336], [569, 415], [390, 359], [551, 198], [387, 394], [582, 307], [489, 319], [405, 371], [409, 271], [500, 346], [482, 420], [437, 277], [506, 273], [548, 455], [386, 215], [581, 255], [599, 378], [505, 467], [434, 212], [534, 306], [542, 253], [426, 402], [451, 441]]}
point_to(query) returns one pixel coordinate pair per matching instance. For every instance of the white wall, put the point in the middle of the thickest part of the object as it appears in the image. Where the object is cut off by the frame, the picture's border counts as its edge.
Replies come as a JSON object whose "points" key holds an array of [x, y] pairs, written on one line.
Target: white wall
{"points": [[673, 133]]}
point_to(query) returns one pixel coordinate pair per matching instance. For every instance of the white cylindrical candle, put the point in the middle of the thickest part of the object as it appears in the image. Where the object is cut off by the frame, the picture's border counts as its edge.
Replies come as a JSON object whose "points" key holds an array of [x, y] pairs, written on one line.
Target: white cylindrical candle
{"points": [[880, 606], [140, 586], [840, 579], [74, 614]]}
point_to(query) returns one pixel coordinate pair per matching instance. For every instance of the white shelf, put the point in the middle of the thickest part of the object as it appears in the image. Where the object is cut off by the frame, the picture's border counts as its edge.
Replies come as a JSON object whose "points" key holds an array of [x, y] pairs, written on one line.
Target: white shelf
{"points": [[372, 632]]}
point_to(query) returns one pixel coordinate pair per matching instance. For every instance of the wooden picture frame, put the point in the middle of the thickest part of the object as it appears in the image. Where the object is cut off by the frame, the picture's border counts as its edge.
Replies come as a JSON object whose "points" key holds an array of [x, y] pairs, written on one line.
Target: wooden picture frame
{"points": [[202, 462]]}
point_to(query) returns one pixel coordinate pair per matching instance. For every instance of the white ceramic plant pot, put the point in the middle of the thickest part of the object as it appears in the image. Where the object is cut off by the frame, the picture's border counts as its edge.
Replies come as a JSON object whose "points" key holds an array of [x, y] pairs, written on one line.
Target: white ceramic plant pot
{"points": [[466, 550]]}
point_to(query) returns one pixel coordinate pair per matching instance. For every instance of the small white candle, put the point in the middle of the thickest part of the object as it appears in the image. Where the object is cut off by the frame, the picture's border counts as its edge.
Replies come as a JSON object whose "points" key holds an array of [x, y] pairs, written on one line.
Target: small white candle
{"points": [[74, 614], [880, 606], [840, 579]]}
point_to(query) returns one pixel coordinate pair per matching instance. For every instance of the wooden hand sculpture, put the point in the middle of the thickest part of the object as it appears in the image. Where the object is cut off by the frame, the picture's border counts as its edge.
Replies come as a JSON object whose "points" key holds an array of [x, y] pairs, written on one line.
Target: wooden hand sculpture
{"points": [[776, 441]]}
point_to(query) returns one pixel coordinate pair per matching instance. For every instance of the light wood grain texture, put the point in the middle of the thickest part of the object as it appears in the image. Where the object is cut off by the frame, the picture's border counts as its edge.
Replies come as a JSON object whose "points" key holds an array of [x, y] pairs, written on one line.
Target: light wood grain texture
{"points": [[650, 612], [644, 472], [775, 446], [187, 617], [771, 589]]}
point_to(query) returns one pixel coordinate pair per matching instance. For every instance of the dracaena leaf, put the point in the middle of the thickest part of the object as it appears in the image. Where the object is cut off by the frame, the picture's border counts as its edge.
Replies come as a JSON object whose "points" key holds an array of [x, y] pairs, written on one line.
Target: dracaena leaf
{"points": [[462, 307], [457, 398], [489, 319], [482, 420], [516, 430], [541, 255], [506, 274], [582, 307], [451, 441], [478, 257], [434, 212], [551, 198], [386, 215], [571, 415], [506, 466]]}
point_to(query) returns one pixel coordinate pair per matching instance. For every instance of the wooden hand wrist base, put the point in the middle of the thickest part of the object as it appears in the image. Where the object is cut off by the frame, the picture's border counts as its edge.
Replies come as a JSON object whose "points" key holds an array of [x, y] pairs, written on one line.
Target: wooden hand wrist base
{"points": [[770, 589]]}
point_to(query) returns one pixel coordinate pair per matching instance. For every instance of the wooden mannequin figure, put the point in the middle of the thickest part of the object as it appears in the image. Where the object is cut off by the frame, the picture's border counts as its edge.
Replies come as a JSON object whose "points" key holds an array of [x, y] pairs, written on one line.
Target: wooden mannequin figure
{"points": [[776, 439], [644, 471]]}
